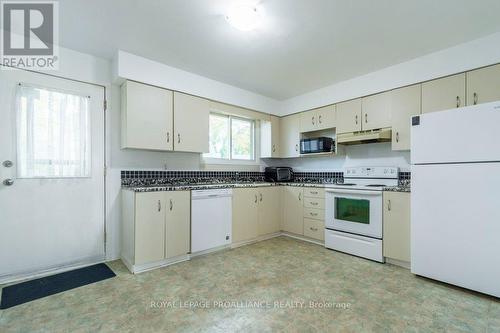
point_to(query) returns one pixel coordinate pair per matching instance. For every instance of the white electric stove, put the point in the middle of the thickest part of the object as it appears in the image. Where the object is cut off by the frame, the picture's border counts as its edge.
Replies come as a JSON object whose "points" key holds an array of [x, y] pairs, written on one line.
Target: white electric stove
{"points": [[353, 220]]}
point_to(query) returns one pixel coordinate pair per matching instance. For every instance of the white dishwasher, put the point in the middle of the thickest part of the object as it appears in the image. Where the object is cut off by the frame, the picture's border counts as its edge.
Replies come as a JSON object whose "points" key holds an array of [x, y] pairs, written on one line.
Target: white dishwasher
{"points": [[211, 219]]}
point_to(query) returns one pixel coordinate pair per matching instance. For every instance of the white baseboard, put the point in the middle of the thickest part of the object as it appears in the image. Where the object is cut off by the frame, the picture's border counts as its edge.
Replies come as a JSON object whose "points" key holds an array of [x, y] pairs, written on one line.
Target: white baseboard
{"points": [[404, 264], [303, 238], [153, 265], [8, 279], [255, 240], [215, 249]]}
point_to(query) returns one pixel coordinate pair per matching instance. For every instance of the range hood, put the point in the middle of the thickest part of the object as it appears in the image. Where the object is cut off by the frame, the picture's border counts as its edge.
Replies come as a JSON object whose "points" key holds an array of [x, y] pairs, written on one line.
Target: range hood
{"points": [[355, 138]]}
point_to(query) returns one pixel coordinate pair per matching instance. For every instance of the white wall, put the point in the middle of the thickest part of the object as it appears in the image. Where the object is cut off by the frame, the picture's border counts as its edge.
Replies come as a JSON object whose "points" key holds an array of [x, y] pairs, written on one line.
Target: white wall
{"points": [[373, 154], [477, 53], [129, 66]]}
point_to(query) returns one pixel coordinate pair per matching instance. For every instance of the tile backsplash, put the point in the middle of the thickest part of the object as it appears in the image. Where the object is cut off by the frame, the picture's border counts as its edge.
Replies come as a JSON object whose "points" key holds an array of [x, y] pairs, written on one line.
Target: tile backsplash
{"points": [[131, 177]]}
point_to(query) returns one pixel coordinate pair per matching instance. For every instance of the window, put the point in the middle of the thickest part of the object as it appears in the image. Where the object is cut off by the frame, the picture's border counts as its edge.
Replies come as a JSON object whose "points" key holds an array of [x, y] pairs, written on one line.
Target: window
{"points": [[231, 138], [53, 133]]}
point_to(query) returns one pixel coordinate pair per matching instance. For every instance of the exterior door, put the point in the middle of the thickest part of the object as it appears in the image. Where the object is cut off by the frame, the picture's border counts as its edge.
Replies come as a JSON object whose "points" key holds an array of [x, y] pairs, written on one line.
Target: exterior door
{"points": [[51, 173]]}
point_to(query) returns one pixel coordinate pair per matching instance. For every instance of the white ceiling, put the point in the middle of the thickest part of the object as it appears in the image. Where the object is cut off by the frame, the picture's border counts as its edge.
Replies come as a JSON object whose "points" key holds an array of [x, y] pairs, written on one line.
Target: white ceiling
{"points": [[301, 46]]}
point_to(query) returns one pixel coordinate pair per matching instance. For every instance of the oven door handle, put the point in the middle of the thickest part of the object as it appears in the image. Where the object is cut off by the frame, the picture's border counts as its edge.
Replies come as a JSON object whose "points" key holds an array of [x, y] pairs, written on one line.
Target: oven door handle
{"points": [[339, 191]]}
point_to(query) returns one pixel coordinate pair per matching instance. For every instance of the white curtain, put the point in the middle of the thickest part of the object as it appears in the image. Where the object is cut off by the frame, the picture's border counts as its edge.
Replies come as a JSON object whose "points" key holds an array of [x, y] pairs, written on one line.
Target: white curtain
{"points": [[53, 133]]}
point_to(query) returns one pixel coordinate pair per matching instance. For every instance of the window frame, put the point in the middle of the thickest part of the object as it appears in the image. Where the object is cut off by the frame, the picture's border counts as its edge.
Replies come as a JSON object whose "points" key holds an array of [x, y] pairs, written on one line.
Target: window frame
{"points": [[254, 160]]}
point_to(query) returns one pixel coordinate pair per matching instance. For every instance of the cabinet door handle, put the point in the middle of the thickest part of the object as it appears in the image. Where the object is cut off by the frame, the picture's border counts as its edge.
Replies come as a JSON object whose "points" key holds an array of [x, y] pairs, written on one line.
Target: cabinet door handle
{"points": [[458, 101], [397, 136], [313, 203], [255, 198], [168, 137], [178, 137], [313, 214], [312, 120], [389, 205], [260, 197], [300, 198], [319, 119], [296, 147], [475, 98], [274, 148], [356, 119], [313, 192], [313, 229], [366, 118], [171, 204], [159, 205]]}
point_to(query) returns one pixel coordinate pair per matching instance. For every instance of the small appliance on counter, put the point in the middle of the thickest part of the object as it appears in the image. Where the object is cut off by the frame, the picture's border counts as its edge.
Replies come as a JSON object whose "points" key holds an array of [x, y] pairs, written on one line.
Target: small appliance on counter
{"points": [[317, 145], [278, 174]]}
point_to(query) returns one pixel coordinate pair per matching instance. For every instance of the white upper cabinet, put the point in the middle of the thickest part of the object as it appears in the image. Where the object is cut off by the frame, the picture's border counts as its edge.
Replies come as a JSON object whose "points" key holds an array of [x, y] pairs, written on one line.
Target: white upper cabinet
{"points": [[483, 85], [443, 94], [191, 116], [290, 135], [349, 116], [308, 121], [318, 119], [327, 117], [270, 137], [147, 117], [376, 111], [405, 103]]}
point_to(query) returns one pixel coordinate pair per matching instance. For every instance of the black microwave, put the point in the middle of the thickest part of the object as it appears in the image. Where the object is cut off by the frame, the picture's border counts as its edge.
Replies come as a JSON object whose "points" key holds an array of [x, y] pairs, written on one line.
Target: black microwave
{"points": [[278, 174], [317, 145]]}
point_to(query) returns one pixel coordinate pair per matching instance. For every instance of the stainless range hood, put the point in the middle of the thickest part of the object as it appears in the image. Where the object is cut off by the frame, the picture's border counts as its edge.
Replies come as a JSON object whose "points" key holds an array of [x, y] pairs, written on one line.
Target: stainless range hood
{"points": [[370, 136]]}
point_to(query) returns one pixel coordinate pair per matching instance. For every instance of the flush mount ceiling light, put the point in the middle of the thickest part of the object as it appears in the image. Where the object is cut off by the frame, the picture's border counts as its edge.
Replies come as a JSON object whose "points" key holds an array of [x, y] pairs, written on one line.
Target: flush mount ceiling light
{"points": [[243, 17]]}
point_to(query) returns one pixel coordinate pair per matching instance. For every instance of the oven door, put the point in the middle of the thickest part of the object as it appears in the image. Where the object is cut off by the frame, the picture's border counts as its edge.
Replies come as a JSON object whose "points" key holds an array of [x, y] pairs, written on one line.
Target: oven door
{"points": [[354, 211]]}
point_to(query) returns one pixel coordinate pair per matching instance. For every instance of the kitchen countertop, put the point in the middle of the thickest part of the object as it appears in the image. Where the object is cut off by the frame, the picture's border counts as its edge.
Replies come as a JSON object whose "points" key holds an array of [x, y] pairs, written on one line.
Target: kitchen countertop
{"points": [[185, 187], [399, 188]]}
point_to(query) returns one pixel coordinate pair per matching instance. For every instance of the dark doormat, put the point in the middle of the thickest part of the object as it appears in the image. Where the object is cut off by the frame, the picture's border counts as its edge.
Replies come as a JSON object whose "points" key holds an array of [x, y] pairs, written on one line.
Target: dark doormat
{"points": [[30, 290]]}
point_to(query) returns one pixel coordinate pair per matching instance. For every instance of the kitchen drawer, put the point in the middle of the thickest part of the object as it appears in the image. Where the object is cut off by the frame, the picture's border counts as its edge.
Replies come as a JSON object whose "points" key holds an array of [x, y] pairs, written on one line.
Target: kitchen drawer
{"points": [[314, 229], [318, 203], [313, 213], [314, 192]]}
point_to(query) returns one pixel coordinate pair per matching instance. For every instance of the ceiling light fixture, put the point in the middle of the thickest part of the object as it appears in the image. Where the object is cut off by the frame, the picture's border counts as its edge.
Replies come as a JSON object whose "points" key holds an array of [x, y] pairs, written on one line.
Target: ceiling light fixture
{"points": [[243, 17]]}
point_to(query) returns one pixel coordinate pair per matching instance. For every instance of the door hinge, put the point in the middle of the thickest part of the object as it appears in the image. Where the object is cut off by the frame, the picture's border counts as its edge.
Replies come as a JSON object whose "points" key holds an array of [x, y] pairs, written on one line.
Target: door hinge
{"points": [[105, 171], [105, 105]]}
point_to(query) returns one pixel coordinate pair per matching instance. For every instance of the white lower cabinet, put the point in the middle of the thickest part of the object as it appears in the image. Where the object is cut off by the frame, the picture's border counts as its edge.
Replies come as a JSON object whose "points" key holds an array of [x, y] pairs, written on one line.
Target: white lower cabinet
{"points": [[396, 216], [256, 212], [314, 213], [156, 228], [293, 210]]}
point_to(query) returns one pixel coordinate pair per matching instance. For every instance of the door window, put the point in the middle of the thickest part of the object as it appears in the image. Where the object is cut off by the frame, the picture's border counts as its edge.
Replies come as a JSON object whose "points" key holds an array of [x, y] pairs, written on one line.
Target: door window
{"points": [[53, 133], [352, 210]]}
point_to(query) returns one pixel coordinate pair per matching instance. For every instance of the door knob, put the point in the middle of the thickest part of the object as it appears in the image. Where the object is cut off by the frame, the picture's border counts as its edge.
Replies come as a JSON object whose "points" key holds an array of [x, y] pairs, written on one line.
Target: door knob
{"points": [[7, 163], [8, 182]]}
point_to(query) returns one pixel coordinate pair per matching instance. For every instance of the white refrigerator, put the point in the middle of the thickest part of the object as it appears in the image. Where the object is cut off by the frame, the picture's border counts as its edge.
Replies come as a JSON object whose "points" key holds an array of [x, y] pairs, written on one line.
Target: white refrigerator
{"points": [[455, 199]]}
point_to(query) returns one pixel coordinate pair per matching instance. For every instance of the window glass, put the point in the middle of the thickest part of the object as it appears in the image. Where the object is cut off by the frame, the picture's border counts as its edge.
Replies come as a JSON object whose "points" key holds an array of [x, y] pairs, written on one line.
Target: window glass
{"points": [[53, 133], [219, 136], [231, 138], [242, 139]]}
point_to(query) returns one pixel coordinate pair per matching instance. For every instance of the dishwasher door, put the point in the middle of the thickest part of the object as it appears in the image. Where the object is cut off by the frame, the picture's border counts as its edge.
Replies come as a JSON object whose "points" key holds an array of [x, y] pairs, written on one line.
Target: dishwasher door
{"points": [[211, 219]]}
